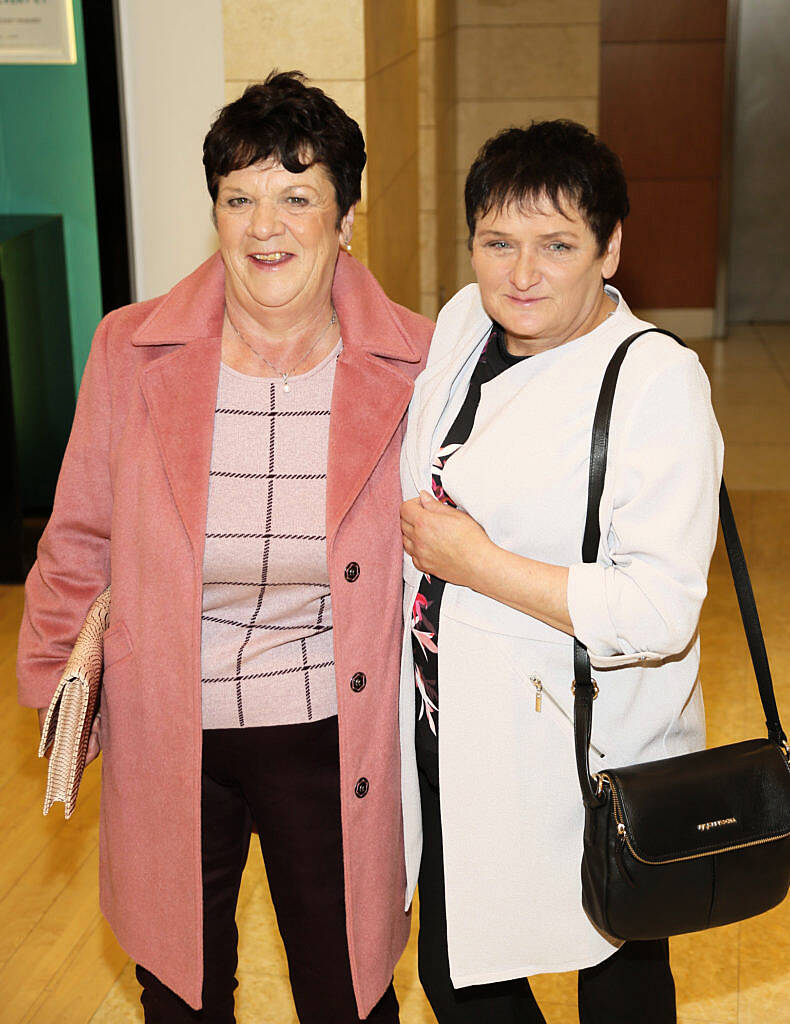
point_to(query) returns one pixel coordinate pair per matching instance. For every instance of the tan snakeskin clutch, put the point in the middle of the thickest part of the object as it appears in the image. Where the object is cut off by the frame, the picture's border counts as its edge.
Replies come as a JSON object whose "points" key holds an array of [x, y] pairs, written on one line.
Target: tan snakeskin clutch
{"points": [[70, 715]]}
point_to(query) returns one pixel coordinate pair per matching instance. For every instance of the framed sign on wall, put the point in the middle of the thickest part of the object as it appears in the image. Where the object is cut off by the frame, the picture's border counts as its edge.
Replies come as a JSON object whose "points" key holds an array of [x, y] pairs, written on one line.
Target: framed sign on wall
{"points": [[37, 32]]}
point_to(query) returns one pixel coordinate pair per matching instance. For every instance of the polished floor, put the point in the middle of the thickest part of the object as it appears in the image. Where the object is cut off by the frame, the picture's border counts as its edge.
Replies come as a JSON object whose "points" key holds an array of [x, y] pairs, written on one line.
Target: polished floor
{"points": [[59, 963]]}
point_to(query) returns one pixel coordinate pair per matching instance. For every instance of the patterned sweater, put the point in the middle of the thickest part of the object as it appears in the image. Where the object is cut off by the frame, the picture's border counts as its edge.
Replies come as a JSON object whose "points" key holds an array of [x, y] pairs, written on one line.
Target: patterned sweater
{"points": [[267, 648]]}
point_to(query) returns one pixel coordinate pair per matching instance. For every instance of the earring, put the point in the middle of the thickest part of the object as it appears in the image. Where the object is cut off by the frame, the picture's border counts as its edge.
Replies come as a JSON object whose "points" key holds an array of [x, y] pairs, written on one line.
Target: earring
{"points": [[347, 246]]}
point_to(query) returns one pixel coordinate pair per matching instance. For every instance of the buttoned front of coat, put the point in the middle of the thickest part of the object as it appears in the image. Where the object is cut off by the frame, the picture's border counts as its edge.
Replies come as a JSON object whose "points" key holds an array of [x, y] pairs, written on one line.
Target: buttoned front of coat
{"points": [[131, 508]]}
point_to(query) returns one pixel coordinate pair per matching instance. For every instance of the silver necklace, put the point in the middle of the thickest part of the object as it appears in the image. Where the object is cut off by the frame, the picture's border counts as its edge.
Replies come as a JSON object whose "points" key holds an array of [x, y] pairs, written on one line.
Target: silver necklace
{"points": [[284, 374]]}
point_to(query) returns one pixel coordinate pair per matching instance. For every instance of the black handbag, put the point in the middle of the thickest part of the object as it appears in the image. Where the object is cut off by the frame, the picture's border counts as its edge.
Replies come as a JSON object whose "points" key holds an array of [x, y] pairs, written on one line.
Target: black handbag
{"points": [[689, 842]]}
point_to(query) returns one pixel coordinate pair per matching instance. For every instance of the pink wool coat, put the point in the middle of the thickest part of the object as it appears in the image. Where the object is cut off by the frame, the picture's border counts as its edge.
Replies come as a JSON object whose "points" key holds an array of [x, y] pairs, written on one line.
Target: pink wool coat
{"points": [[131, 507]]}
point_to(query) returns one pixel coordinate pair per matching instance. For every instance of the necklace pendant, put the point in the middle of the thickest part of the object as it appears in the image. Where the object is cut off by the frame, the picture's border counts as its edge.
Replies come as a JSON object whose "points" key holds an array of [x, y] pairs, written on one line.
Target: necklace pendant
{"points": [[284, 374]]}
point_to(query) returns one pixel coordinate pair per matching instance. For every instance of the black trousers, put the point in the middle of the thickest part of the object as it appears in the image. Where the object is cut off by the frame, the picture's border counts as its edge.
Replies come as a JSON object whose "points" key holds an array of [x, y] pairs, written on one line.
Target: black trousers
{"points": [[284, 781], [633, 985]]}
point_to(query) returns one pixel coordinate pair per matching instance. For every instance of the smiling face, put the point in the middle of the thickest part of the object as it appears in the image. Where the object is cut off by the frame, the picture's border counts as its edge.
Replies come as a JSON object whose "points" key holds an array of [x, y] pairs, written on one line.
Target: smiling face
{"points": [[279, 238], [540, 274]]}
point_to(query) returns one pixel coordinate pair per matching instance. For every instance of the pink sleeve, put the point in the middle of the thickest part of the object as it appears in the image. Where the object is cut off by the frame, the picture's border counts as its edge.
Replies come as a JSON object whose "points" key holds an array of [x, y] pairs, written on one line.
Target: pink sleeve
{"points": [[73, 564]]}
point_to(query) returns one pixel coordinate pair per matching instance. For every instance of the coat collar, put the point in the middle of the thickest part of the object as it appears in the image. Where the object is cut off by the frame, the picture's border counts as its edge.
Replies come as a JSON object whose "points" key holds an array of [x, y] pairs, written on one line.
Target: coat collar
{"points": [[462, 327], [194, 308], [370, 396]]}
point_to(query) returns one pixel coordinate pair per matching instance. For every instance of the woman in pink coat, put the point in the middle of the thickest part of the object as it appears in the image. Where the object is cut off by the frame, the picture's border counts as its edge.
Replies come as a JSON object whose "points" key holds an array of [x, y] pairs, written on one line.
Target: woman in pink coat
{"points": [[233, 470]]}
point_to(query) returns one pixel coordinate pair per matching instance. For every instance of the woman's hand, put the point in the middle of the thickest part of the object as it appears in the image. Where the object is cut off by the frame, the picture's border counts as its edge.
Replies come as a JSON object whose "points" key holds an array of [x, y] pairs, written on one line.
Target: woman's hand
{"points": [[442, 540], [94, 745], [448, 543]]}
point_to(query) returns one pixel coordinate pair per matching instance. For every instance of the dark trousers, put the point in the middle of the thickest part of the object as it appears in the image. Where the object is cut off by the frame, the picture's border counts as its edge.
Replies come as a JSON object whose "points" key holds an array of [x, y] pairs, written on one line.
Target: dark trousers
{"points": [[633, 985], [285, 782]]}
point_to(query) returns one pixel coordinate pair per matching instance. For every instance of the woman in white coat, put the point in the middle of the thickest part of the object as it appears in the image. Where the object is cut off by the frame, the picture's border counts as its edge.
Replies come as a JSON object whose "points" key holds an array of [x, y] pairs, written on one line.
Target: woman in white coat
{"points": [[495, 472]]}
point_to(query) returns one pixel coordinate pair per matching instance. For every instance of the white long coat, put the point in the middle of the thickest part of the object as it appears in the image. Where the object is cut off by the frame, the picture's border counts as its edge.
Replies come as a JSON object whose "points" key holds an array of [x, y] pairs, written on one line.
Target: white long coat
{"points": [[512, 815]]}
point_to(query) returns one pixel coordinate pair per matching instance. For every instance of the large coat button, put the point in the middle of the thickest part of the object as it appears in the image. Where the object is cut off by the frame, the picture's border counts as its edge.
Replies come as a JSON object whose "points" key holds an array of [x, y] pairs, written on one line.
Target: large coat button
{"points": [[358, 682], [352, 571], [362, 787]]}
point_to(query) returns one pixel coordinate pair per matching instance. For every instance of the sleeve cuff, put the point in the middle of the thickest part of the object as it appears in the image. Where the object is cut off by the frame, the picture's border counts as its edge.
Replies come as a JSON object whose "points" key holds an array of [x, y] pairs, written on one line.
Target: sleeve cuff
{"points": [[588, 610]]}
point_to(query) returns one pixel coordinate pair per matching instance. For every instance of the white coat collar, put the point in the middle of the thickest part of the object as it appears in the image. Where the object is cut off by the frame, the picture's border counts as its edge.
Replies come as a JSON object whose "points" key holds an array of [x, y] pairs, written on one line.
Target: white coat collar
{"points": [[461, 330]]}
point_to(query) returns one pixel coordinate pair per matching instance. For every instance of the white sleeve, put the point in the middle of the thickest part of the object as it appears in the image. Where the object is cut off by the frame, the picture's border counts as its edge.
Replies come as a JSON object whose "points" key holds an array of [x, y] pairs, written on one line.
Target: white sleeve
{"points": [[642, 599]]}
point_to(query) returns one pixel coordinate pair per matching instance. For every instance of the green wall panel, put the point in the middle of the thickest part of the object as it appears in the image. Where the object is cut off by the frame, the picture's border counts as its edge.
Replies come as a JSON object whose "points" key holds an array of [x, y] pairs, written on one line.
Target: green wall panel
{"points": [[33, 269], [46, 168]]}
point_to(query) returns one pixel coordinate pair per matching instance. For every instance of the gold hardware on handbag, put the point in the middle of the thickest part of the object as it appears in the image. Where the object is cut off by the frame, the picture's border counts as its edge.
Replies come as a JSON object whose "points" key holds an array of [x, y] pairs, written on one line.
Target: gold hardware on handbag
{"points": [[73, 709]]}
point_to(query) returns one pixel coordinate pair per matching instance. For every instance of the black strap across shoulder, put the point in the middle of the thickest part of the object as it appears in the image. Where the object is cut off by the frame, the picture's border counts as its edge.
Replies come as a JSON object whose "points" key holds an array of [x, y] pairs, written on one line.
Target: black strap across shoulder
{"points": [[584, 689]]}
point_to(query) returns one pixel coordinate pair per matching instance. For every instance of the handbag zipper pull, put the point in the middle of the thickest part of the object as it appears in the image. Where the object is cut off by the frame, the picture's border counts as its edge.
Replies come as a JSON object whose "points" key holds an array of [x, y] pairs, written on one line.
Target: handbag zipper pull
{"points": [[619, 848], [538, 691]]}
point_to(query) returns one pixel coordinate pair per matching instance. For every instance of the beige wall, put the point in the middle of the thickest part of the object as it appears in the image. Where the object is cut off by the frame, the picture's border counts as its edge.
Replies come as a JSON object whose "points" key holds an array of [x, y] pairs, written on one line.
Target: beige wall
{"points": [[437, 144], [152, 78], [391, 117], [363, 53], [518, 61]]}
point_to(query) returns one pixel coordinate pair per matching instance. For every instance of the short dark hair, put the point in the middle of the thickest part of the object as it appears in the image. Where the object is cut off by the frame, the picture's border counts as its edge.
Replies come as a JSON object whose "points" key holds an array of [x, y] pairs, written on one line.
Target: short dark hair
{"points": [[297, 125], [557, 160]]}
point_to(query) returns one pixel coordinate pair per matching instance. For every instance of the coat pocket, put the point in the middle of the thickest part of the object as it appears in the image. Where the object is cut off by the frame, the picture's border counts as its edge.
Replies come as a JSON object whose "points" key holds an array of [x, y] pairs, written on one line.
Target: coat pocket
{"points": [[548, 701]]}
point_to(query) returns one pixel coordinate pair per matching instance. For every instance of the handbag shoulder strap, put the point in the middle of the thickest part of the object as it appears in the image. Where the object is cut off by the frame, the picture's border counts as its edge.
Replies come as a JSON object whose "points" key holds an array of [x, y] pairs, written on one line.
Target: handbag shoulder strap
{"points": [[583, 684]]}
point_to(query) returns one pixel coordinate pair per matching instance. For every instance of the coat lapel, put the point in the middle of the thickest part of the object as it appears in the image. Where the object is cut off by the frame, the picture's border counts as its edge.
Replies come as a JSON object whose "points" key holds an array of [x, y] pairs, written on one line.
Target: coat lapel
{"points": [[370, 397], [374, 381], [369, 401], [180, 387], [439, 392], [180, 390]]}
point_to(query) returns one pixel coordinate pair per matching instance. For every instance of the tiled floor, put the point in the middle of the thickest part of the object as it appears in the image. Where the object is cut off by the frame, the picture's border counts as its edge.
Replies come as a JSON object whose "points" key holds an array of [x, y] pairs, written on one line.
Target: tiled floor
{"points": [[734, 975], [750, 379]]}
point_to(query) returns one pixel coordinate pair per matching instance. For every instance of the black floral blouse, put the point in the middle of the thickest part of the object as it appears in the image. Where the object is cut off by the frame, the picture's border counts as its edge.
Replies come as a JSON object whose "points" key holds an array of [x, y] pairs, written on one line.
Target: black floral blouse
{"points": [[494, 359]]}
